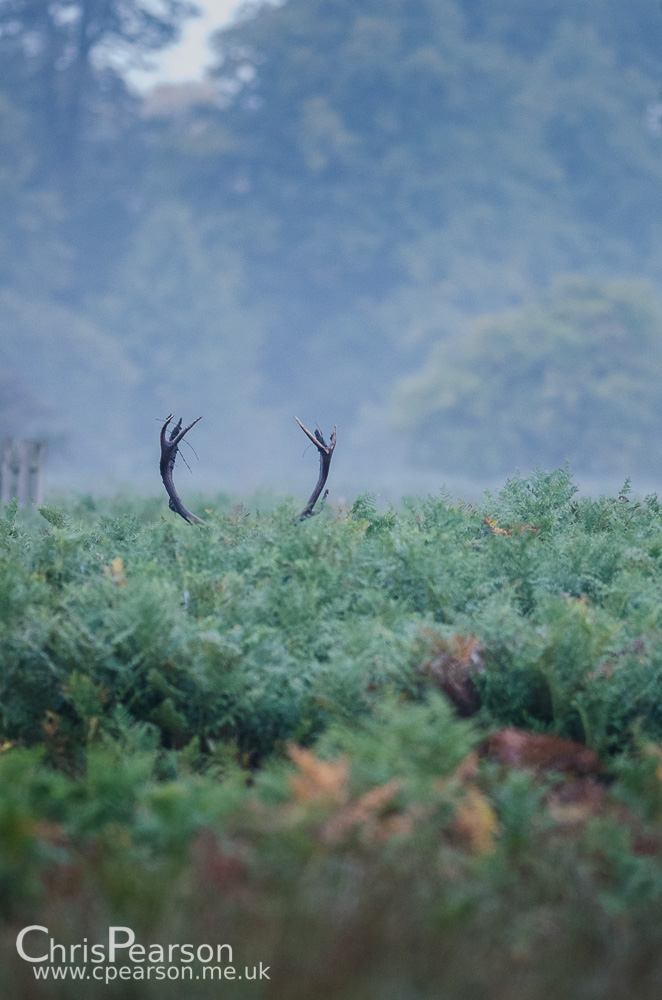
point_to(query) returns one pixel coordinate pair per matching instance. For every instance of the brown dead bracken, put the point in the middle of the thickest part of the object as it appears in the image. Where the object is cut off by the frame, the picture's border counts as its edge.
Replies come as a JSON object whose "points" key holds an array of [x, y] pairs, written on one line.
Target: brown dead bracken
{"points": [[455, 663], [541, 753]]}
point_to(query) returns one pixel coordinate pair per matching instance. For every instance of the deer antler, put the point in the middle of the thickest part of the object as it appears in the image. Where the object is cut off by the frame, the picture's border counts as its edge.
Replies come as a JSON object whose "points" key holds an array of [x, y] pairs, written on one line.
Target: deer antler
{"points": [[326, 451], [169, 446]]}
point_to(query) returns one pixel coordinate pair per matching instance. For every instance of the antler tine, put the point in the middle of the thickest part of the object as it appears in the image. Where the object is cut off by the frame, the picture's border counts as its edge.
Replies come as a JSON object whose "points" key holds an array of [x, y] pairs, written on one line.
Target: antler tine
{"points": [[178, 437], [169, 448], [326, 452], [316, 438], [164, 429]]}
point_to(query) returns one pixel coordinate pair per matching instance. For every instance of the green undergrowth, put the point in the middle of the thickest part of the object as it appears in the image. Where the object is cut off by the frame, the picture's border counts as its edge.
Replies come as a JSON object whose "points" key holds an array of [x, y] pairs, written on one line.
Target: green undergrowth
{"points": [[203, 723], [258, 629]]}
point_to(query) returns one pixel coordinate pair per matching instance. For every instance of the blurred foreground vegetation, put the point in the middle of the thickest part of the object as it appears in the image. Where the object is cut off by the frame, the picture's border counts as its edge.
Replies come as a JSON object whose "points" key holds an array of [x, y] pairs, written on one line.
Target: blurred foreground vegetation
{"points": [[404, 753]]}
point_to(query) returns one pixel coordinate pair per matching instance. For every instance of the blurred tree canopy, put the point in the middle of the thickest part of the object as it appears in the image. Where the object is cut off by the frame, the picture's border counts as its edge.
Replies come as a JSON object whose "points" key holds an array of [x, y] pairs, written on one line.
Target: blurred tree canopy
{"points": [[446, 156], [34, 257], [572, 375], [63, 58], [183, 338], [357, 182]]}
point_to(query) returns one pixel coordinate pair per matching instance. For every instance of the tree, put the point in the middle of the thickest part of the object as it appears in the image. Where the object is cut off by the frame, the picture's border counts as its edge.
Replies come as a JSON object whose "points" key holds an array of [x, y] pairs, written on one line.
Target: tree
{"points": [[63, 57], [22, 413], [179, 309], [572, 375], [412, 150], [34, 259], [67, 380]]}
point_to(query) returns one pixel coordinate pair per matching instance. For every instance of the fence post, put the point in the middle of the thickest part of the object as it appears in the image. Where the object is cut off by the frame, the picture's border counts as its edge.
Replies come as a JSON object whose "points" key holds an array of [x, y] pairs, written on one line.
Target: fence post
{"points": [[22, 465]]}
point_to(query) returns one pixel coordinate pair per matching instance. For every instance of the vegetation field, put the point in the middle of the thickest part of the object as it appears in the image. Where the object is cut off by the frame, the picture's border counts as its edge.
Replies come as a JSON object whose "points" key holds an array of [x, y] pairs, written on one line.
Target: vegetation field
{"points": [[411, 754]]}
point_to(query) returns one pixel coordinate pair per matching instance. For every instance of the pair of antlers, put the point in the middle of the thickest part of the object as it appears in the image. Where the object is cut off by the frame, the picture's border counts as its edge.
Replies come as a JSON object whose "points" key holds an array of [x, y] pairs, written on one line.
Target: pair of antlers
{"points": [[170, 445]]}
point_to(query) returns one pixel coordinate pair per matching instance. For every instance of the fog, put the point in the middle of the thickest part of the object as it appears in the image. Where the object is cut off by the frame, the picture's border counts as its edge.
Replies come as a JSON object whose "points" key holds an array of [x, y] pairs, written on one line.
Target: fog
{"points": [[436, 225]]}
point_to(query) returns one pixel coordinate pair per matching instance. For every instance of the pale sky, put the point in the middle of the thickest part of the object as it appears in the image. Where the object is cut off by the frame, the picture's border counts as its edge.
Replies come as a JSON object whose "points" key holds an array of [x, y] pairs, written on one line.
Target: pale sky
{"points": [[188, 59]]}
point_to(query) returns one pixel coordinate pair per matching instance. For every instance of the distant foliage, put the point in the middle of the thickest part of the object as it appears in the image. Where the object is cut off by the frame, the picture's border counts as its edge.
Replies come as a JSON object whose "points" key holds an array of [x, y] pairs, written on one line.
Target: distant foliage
{"points": [[355, 183], [573, 375]]}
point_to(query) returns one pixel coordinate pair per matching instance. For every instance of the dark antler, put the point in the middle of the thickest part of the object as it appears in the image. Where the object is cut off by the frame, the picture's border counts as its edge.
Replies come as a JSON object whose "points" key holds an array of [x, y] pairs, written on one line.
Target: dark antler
{"points": [[326, 451], [169, 446]]}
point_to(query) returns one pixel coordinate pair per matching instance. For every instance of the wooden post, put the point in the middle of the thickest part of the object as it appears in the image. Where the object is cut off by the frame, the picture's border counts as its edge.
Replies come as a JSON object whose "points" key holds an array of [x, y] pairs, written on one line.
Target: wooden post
{"points": [[38, 470], [5, 471], [22, 451], [22, 465]]}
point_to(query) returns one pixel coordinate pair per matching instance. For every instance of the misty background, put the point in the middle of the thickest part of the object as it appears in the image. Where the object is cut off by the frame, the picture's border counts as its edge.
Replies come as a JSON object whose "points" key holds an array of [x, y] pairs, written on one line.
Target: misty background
{"points": [[434, 223]]}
